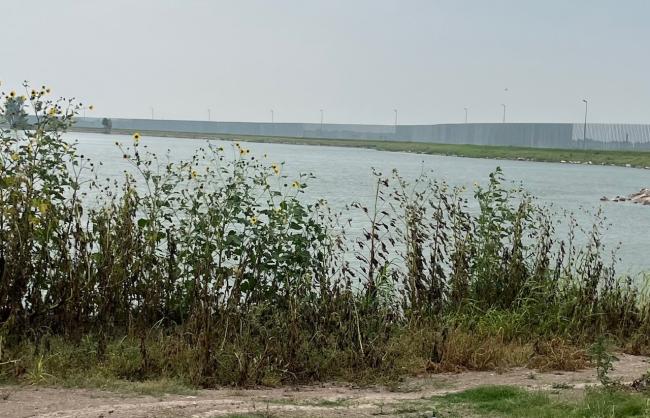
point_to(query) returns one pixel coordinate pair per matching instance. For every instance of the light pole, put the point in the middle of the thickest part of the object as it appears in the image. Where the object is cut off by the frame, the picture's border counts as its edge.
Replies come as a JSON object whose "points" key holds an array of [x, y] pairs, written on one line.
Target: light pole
{"points": [[151, 112], [584, 129], [465, 115], [321, 120], [395, 110], [504, 112], [272, 117], [91, 108], [209, 115]]}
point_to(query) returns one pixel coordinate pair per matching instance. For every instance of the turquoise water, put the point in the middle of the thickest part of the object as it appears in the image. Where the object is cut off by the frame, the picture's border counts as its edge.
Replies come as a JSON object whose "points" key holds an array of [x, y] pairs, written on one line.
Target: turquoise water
{"points": [[344, 175]]}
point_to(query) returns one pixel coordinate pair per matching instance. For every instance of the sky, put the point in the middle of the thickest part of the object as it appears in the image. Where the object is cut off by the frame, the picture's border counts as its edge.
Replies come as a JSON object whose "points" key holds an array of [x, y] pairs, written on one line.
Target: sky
{"points": [[358, 60]]}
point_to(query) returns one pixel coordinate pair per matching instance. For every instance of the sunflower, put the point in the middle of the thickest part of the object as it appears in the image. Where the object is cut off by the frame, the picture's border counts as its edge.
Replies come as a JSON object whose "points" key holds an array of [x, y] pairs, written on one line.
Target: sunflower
{"points": [[136, 137], [276, 169], [295, 184], [12, 94]]}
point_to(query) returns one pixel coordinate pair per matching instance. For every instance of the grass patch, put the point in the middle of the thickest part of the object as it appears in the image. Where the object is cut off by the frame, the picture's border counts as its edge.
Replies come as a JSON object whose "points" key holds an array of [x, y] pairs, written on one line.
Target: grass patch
{"points": [[76, 365], [171, 369], [154, 387], [509, 401]]}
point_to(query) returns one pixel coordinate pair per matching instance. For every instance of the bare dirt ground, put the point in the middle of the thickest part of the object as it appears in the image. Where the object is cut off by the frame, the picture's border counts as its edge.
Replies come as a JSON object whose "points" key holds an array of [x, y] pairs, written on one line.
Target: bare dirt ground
{"points": [[329, 400]]}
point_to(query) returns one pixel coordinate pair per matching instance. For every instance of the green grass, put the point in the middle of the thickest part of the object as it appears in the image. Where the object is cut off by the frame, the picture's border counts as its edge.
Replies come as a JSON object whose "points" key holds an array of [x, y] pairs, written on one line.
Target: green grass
{"points": [[75, 365], [94, 380], [637, 159], [633, 158], [509, 401], [153, 387]]}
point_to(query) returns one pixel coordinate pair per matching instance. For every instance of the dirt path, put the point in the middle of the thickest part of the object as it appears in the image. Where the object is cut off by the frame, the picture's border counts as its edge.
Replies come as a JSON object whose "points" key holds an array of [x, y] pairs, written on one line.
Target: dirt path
{"points": [[311, 401]]}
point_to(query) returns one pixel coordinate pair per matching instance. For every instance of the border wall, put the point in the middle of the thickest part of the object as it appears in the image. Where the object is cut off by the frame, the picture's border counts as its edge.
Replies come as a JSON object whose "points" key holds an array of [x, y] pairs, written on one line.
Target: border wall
{"points": [[537, 135]]}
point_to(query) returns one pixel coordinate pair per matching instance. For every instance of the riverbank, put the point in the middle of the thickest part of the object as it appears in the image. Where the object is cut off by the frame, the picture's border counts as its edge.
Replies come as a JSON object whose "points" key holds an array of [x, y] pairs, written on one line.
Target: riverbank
{"points": [[632, 159], [513, 393]]}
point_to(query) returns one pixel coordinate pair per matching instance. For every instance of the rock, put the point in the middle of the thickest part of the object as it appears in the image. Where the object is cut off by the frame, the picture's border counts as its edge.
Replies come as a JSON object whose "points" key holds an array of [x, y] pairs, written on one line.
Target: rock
{"points": [[642, 197], [642, 384]]}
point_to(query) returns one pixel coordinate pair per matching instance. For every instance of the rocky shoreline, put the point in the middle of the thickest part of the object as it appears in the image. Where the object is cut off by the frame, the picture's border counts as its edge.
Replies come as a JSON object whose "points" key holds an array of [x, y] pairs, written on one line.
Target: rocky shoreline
{"points": [[641, 197]]}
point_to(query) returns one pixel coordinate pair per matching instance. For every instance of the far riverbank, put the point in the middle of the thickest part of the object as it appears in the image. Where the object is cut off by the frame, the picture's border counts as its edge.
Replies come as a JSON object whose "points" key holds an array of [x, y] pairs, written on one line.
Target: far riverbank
{"points": [[632, 159]]}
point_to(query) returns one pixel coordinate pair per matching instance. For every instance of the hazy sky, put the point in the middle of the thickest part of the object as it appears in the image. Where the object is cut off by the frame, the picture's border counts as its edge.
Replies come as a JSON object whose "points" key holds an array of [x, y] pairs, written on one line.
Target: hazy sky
{"points": [[356, 59]]}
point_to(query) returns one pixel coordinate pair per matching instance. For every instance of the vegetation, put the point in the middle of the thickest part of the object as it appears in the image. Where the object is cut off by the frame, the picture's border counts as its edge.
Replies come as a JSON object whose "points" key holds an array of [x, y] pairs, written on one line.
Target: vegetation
{"points": [[214, 271], [639, 159], [107, 125], [13, 112], [508, 401]]}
